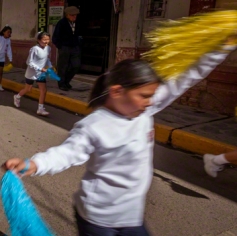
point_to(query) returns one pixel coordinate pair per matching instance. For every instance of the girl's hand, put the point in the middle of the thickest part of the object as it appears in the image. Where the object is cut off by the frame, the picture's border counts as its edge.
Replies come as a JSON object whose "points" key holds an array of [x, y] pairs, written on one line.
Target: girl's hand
{"points": [[17, 165], [44, 70]]}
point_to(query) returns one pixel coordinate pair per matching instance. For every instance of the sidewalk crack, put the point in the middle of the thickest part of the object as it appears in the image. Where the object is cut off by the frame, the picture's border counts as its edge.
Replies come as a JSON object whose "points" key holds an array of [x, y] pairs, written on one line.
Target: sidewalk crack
{"points": [[187, 126]]}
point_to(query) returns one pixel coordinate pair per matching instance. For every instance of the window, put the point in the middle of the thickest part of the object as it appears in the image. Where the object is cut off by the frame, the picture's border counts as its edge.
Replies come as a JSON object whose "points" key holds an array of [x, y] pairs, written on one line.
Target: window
{"points": [[156, 8]]}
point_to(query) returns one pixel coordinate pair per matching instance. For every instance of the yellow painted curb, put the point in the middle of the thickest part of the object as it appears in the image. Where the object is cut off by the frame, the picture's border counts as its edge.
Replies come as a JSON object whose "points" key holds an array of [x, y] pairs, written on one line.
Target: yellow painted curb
{"points": [[179, 139], [51, 98], [198, 144], [162, 133]]}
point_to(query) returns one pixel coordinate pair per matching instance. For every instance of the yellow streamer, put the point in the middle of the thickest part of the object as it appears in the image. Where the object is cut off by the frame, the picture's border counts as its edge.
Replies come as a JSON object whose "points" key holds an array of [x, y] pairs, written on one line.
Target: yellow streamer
{"points": [[177, 45], [8, 67]]}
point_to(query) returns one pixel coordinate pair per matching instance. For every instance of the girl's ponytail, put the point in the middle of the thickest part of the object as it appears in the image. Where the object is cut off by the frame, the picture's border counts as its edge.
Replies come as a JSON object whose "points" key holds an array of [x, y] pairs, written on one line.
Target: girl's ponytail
{"points": [[99, 92]]}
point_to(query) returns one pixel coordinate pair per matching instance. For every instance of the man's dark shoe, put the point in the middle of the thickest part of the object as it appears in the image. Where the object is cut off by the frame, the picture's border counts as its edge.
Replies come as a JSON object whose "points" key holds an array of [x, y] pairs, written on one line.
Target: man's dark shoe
{"points": [[63, 87], [69, 86]]}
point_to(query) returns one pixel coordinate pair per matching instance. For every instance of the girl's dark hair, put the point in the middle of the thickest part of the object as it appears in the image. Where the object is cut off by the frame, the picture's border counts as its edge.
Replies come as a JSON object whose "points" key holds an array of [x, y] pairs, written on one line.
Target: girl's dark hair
{"points": [[5, 28], [41, 34], [130, 73]]}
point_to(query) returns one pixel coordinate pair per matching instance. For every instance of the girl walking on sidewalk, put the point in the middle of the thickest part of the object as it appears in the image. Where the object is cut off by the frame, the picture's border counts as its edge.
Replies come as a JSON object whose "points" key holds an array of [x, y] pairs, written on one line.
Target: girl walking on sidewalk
{"points": [[5, 48], [117, 142], [37, 62]]}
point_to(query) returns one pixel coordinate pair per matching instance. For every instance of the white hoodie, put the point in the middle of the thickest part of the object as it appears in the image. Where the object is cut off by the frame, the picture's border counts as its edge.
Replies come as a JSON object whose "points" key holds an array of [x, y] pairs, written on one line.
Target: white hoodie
{"points": [[119, 153], [37, 60], [5, 48]]}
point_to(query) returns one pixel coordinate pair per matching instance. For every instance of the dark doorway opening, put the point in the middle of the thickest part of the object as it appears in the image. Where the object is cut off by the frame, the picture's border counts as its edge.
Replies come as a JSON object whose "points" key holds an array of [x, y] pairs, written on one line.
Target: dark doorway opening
{"points": [[95, 24]]}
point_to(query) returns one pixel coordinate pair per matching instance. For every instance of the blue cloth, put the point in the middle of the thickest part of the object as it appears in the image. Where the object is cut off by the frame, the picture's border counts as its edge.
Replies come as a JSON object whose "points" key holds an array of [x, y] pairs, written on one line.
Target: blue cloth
{"points": [[42, 76], [23, 217], [27, 162], [50, 74]]}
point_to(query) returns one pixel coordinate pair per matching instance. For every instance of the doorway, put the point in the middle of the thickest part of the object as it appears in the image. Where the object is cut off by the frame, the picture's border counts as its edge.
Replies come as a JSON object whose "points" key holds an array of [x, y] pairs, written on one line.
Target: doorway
{"points": [[95, 22]]}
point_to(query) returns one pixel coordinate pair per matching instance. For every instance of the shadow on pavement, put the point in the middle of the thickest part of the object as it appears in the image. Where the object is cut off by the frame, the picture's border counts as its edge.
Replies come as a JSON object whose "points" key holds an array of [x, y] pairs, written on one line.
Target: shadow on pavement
{"points": [[189, 167]]}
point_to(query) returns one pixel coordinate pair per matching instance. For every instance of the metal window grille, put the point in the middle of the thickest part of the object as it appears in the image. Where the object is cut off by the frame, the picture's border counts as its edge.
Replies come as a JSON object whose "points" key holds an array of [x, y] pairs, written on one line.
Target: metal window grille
{"points": [[156, 8]]}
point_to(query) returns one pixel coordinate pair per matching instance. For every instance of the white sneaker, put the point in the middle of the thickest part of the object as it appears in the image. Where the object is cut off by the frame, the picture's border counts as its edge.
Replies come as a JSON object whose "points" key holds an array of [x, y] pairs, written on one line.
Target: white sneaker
{"points": [[17, 101], [1, 88], [42, 112], [210, 167]]}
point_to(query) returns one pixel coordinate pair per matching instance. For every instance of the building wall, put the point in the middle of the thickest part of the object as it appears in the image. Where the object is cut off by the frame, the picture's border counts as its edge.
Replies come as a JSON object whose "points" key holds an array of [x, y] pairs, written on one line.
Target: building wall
{"points": [[127, 29], [232, 5], [218, 92], [23, 20], [177, 9], [174, 10], [133, 24]]}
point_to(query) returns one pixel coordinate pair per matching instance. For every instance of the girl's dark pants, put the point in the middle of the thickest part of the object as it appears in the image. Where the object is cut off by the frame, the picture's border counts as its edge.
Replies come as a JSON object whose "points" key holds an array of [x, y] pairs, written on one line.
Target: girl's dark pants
{"points": [[86, 228]]}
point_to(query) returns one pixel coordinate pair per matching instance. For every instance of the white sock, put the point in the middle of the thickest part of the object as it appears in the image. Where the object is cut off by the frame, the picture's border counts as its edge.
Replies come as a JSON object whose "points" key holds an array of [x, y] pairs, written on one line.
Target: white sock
{"points": [[18, 96], [220, 159], [41, 106]]}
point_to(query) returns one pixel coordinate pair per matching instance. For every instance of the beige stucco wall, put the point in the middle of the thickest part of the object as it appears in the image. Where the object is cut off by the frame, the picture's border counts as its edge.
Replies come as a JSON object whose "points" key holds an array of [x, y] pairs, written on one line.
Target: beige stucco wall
{"points": [[132, 22], [21, 16], [128, 20], [175, 9]]}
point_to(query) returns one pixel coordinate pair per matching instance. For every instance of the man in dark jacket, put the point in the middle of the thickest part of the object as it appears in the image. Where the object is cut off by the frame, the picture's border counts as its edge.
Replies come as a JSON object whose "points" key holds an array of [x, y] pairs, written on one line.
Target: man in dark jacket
{"points": [[66, 39]]}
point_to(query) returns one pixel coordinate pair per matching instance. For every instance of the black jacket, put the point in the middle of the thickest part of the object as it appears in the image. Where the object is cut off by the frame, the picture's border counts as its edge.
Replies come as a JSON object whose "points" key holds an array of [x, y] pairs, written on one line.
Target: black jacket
{"points": [[63, 35]]}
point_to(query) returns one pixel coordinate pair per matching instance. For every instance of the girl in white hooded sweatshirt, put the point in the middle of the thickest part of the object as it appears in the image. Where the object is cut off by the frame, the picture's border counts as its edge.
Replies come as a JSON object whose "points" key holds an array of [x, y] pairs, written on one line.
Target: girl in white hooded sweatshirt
{"points": [[116, 141], [5, 49], [37, 62]]}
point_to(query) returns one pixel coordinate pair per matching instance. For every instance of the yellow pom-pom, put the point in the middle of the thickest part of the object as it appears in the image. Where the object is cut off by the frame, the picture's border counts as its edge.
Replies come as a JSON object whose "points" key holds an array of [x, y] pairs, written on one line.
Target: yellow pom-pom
{"points": [[177, 45], [8, 67], [54, 69]]}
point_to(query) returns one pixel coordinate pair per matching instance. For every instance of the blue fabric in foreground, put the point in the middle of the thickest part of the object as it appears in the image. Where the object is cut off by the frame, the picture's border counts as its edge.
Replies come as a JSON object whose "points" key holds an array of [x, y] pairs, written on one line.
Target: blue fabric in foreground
{"points": [[22, 215]]}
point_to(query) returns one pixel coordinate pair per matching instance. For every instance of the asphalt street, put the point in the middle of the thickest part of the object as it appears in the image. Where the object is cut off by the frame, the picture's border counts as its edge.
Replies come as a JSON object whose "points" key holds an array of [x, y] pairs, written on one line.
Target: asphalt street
{"points": [[182, 199]]}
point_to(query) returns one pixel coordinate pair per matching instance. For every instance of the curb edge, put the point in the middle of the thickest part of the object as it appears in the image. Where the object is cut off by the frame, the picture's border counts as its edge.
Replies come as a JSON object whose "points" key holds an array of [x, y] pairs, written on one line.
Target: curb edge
{"points": [[179, 138]]}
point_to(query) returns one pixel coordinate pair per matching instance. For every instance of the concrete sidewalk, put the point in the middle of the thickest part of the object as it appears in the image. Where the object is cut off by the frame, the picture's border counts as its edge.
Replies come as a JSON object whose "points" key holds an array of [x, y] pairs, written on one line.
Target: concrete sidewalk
{"points": [[182, 127]]}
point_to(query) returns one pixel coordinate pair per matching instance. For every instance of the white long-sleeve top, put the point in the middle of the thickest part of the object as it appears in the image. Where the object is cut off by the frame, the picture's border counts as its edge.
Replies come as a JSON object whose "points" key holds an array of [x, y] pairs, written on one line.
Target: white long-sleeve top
{"points": [[5, 49], [119, 153], [38, 59]]}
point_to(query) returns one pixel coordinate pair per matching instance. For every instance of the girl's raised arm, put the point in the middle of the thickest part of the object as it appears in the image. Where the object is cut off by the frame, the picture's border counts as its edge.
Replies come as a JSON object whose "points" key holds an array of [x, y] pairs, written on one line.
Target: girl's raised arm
{"points": [[172, 89]]}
